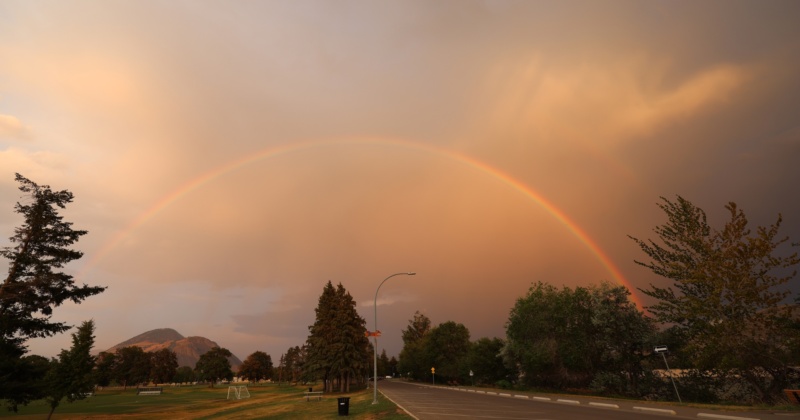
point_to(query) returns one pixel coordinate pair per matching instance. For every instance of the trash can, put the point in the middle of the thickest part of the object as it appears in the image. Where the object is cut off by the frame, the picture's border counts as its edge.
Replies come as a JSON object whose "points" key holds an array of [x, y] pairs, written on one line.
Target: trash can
{"points": [[344, 406]]}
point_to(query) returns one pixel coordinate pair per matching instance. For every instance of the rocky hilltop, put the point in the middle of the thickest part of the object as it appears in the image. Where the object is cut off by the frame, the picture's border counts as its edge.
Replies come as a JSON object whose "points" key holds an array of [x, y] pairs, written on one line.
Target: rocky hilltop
{"points": [[188, 349]]}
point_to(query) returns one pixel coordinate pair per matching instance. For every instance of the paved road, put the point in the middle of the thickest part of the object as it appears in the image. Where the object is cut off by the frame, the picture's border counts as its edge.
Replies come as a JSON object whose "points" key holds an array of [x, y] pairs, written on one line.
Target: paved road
{"points": [[447, 403]]}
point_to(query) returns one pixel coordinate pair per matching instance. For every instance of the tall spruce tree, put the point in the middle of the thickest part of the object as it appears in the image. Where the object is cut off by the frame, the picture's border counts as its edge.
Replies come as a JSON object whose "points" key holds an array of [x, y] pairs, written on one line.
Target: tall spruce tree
{"points": [[726, 295], [351, 343], [337, 346], [35, 285], [70, 376]]}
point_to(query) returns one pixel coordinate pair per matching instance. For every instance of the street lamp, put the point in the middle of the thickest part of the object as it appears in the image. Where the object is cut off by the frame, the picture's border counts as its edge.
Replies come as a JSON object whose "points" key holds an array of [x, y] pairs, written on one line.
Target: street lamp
{"points": [[375, 334]]}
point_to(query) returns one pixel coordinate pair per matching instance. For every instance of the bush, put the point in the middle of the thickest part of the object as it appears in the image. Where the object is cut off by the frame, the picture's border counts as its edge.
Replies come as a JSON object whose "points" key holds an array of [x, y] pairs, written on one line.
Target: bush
{"points": [[608, 383], [503, 384]]}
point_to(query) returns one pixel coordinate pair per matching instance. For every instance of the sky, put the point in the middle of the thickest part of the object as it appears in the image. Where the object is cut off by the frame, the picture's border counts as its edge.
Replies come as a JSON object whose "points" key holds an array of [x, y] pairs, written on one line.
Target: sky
{"points": [[228, 159]]}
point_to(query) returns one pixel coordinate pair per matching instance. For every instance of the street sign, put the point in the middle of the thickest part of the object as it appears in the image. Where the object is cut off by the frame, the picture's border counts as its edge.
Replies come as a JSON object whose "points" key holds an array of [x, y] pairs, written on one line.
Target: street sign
{"points": [[377, 333], [433, 370], [470, 373]]}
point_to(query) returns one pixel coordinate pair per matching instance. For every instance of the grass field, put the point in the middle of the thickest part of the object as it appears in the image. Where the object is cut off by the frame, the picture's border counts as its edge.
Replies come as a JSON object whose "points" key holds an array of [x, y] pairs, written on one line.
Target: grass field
{"points": [[201, 402]]}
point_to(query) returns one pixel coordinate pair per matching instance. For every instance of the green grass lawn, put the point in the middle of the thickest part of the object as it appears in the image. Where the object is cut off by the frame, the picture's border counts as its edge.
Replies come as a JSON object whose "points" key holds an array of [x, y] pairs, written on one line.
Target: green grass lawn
{"points": [[201, 402]]}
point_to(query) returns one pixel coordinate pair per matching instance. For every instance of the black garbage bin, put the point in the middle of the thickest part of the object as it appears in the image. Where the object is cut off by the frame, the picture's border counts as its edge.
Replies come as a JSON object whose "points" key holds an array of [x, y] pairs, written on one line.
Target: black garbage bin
{"points": [[344, 406]]}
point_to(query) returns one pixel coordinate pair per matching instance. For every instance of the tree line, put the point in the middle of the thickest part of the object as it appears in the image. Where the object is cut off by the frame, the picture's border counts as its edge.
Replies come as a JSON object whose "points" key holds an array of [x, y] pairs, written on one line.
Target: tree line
{"points": [[36, 284], [721, 307]]}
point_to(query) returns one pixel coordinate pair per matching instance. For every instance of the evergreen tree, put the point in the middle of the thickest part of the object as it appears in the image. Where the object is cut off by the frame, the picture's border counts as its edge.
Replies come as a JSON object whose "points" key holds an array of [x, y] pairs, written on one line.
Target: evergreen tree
{"points": [[383, 364], [725, 295], [337, 344], [214, 365], [294, 364], [392, 366], [34, 285], [321, 335], [281, 368], [70, 376]]}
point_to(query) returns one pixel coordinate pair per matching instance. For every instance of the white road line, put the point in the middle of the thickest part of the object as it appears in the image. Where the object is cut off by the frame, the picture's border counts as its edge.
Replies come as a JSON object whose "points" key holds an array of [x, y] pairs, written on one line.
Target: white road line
{"points": [[521, 396], [473, 416], [656, 410], [400, 406], [604, 405], [541, 398], [568, 401], [720, 416]]}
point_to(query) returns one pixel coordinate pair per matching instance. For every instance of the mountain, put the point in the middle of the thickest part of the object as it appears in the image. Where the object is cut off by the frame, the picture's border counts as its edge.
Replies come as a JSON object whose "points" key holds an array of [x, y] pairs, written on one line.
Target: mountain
{"points": [[188, 349]]}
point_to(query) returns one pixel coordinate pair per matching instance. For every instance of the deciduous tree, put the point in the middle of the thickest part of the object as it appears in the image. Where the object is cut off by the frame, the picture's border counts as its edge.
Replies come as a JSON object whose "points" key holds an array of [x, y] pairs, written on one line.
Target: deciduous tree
{"points": [[256, 367], [132, 367], [214, 366], [621, 341], [485, 362], [104, 368], [163, 365], [725, 293], [549, 336], [446, 348], [412, 361], [185, 374]]}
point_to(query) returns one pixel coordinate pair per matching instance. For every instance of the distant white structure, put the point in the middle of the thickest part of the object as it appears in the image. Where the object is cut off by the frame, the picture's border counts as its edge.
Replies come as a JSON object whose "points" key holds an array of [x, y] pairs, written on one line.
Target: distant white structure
{"points": [[238, 392]]}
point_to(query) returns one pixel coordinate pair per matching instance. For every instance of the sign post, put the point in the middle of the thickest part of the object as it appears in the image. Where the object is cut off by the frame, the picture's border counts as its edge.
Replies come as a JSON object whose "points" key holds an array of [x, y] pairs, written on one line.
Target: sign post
{"points": [[433, 375], [663, 350], [471, 377]]}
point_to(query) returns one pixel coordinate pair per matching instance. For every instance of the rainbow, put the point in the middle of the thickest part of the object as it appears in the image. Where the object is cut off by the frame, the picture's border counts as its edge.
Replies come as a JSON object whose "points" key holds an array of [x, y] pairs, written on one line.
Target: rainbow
{"points": [[273, 152]]}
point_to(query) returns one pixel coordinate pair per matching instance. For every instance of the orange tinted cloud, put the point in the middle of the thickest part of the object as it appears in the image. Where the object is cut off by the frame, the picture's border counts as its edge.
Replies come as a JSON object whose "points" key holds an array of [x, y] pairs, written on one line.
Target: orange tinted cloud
{"points": [[601, 103]]}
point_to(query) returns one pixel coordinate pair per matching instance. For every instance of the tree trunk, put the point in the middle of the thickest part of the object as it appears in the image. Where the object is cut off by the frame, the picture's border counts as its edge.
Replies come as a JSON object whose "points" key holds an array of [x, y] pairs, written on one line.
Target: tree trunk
{"points": [[52, 409]]}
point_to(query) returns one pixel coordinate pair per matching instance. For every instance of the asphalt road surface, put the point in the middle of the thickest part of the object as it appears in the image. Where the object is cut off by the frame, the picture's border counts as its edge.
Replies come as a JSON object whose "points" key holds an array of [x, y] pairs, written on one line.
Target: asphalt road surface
{"points": [[448, 403]]}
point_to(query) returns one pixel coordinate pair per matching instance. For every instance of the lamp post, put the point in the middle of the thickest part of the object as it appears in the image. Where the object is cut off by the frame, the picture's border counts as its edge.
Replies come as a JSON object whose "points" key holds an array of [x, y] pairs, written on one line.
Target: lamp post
{"points": [[375, 347]]}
